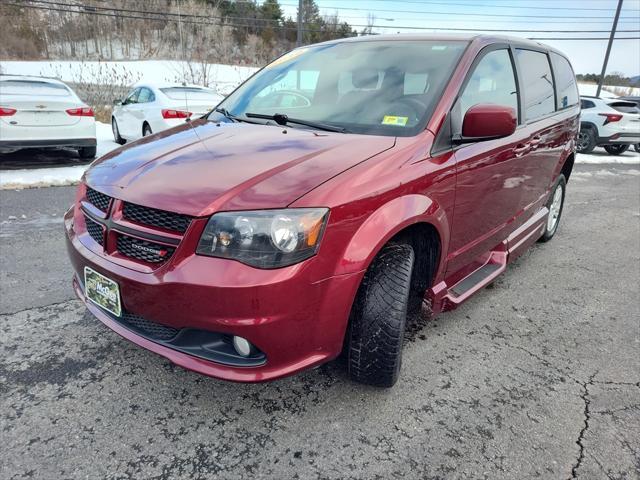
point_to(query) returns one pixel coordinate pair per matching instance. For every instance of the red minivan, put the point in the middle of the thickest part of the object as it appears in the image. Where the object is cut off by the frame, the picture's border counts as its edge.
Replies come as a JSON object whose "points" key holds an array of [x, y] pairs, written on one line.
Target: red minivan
{"points": [[339, 189]]}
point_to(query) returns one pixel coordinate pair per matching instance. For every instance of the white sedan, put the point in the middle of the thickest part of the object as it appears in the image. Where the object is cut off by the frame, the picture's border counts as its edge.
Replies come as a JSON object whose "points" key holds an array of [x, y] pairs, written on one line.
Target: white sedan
{"points": [[151, 108], [42, 113]]}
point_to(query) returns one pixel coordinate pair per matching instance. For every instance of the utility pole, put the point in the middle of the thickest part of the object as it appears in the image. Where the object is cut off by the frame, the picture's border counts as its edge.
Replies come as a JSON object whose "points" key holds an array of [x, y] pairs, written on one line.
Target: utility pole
{"points": [[606, 55], [299, 39]]}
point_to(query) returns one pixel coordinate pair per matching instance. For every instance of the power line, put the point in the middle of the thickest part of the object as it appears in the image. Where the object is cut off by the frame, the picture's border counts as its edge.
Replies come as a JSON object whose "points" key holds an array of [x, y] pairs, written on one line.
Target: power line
{"points": [[282, 27], [484, 5], [166, 14], [254, 19], [451, 13]]}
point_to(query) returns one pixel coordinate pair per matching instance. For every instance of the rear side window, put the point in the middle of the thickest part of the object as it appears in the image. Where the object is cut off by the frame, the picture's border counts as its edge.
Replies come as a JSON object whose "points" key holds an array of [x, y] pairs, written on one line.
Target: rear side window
{"points": [[584, 104], [566, 87], [492, 81], [146, 96], [537, 83]]}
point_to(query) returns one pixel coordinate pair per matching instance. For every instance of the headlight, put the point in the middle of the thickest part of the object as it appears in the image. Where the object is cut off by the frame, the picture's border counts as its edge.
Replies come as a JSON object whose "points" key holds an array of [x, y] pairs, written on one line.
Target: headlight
{"points": [[264, 238]]}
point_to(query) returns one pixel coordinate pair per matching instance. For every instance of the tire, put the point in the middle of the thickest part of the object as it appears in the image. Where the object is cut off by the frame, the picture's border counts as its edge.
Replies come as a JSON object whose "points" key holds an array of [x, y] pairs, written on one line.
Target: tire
{"points": [[116, 132], [146, 130], [551, 226], [636, 147], [87, 152], [378, 318], [586, 140], [616, 149]]}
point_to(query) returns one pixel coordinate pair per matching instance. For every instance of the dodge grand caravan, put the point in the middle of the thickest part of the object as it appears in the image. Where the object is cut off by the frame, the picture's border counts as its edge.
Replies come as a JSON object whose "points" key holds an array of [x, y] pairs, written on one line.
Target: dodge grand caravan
{"points": [[338, 190]]}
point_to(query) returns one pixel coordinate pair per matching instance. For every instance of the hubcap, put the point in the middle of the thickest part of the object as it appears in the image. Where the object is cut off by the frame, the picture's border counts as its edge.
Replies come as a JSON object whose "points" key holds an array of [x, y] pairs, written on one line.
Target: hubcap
{"points": [[554, 209], [582, 141]]}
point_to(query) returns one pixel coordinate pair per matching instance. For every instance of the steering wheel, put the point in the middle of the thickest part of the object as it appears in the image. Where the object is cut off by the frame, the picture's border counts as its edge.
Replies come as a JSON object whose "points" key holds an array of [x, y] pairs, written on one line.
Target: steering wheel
{"points": [[416, 106]]}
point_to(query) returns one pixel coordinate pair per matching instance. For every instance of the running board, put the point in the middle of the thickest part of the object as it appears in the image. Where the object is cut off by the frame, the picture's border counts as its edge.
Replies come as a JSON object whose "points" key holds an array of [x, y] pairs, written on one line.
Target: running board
{"points": [[477, 279]]}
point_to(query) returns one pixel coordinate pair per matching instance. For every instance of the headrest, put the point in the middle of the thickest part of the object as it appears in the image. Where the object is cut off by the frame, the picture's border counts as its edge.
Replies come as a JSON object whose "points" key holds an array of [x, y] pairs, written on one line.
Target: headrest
{"points": [[365, 78]]}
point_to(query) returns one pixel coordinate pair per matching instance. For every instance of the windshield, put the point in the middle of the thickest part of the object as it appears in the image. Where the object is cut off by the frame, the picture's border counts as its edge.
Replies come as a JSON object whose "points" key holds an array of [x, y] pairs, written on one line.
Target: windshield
{"points": [[373, 87]]}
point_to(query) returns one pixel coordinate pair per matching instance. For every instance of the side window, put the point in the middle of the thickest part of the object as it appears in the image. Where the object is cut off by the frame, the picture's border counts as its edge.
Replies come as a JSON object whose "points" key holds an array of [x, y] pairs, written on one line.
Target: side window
{"points": [[566, 87], [132, 97], [145, 96], [492, 81], [584, 104], [537, 84]]}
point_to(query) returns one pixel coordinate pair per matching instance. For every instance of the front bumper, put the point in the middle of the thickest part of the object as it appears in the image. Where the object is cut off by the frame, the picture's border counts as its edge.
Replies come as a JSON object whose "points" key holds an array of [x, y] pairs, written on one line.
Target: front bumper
{"points": [[297, 321]]}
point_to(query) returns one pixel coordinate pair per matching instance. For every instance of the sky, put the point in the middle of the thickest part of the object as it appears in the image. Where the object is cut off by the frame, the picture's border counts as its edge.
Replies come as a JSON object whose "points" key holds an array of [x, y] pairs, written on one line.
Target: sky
{"points": [[562, 16]]}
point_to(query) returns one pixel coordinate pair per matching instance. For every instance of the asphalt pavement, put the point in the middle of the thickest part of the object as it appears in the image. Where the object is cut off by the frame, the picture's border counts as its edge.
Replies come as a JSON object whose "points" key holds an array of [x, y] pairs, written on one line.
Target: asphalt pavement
{"points": [[537, 376]]}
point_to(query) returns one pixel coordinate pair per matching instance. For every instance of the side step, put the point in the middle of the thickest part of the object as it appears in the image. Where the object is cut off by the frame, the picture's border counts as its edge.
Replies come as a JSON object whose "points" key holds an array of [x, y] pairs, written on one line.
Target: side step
{"points": [[477, 279]]}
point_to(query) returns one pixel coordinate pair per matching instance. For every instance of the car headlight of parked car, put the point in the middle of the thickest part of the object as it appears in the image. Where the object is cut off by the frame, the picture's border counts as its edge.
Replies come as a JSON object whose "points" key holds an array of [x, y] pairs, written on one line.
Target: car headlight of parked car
{"points": [[264, 238]]}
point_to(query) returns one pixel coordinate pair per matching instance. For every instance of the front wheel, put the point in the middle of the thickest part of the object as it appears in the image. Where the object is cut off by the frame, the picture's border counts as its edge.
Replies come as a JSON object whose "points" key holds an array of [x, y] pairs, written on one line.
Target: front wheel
{"points": [[378, 318], [616, 149], [554, 204]]}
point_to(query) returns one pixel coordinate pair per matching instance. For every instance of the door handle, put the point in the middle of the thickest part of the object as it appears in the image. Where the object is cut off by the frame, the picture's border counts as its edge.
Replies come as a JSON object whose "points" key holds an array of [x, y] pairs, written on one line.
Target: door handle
{"points": [[522, 149], [535, 141]]}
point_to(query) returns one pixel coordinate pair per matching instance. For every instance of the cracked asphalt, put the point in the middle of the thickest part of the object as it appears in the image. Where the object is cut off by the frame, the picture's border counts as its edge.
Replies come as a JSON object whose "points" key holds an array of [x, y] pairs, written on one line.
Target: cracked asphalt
{"points": [[537, 376]]}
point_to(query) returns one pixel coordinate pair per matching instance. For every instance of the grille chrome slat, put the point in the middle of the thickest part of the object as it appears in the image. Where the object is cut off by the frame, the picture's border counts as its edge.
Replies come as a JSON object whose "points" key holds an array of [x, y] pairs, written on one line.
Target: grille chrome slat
{"points": [[156, 218], [143, 250], [97, 199]]}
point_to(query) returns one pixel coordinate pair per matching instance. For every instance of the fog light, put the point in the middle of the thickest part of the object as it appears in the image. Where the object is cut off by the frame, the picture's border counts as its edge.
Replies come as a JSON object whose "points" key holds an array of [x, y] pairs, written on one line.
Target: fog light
{"points": [[242, 346]]}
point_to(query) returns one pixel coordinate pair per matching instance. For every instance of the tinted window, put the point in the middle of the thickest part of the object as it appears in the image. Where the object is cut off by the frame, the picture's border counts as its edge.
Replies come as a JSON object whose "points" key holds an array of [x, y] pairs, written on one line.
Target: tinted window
{"points": [[132, 97], [492, 81], [565, 82], [538, 84], [586, 104], [373, 87], [146, 96]]}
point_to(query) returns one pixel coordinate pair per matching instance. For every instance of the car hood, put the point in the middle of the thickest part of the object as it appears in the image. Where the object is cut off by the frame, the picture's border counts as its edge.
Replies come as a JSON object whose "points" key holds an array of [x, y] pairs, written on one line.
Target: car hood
{"points": [[202, 167]]}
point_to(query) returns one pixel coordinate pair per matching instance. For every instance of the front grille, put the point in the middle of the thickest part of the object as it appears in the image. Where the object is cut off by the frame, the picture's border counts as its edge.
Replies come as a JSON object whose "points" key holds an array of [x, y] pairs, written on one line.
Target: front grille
{"points": [[148, 328], [95, 230], [156, 218], [97, 199], [143, 250]]}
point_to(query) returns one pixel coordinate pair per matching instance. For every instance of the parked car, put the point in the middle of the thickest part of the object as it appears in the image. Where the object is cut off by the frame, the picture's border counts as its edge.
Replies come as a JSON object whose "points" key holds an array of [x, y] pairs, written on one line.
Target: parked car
{"points": [[635, 100], [43, 113], [610, 123], [150, 108], [257, 242]]}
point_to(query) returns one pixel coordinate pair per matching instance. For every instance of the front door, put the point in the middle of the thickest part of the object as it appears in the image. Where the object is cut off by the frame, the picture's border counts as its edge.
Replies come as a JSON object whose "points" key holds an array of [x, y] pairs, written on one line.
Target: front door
{"points": [[489, 173]]}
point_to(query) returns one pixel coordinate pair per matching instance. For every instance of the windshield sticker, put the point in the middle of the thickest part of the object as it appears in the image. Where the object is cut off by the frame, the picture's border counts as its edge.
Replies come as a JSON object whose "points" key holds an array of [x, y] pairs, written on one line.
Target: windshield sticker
{"points": [[393, 120]]}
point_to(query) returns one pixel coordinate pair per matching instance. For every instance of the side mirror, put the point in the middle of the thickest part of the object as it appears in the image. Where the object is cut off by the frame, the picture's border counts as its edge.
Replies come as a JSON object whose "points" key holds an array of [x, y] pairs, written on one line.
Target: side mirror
{"points": [[117, 102], [487, 121]]}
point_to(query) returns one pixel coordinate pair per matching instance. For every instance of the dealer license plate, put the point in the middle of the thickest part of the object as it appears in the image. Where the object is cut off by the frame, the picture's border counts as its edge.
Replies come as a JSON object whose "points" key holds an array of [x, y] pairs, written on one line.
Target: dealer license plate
{"points": [[102, 291]]}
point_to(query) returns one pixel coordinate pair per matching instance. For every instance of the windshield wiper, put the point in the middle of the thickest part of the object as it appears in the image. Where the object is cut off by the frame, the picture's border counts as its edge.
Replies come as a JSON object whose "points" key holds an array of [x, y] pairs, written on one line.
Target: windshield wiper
{"points": [[282, 119], [234, 118]]}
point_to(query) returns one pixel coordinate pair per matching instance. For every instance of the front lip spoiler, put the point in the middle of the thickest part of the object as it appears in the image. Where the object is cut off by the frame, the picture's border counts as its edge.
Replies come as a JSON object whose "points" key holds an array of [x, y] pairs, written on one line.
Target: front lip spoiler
{"points": [[207, 345]]}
